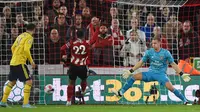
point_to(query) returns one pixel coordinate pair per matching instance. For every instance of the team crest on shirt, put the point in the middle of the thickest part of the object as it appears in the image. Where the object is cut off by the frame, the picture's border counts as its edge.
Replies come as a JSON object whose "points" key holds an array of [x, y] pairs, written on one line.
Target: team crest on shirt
{"points": [[161, 57]]}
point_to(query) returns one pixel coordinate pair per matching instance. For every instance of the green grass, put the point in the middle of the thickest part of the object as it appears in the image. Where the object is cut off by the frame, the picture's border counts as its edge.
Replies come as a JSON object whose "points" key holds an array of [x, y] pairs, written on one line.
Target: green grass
{"points": [[106, 108]]}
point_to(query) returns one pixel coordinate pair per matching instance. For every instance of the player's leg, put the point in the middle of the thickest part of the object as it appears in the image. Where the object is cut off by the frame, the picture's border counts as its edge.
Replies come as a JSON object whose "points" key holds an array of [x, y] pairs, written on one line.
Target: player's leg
{"points": [[27, 90], [128, 84], [83, 85], [72, 79], [70, 91], [24, 76], [83, 75], [6, 93], [12, 81], [170, 87]]}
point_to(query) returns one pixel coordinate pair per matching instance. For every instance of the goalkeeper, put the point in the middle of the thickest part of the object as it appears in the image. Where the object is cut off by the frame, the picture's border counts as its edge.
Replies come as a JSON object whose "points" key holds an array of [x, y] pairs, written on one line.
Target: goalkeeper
{"points": [[159, 59], [18, 69]]}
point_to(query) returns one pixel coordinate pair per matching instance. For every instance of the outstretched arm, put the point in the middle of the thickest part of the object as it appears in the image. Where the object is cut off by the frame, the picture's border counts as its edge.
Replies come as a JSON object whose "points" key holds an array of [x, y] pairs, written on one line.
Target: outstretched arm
{"points": [[176, 68], [137, 66], [184, 76], [127, 73]]}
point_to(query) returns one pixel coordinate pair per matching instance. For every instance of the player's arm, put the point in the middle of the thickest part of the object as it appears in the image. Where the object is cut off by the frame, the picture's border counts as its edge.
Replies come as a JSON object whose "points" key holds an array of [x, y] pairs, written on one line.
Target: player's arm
{"points": [[27, 47], [185, 76], [63, 51], [127, 73], [175, 67], [139, 64], [14, 46]]}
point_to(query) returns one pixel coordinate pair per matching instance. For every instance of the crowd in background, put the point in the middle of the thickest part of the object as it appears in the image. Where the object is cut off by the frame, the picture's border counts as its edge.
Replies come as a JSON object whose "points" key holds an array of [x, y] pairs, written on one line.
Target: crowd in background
{"points": [[119, 33]]}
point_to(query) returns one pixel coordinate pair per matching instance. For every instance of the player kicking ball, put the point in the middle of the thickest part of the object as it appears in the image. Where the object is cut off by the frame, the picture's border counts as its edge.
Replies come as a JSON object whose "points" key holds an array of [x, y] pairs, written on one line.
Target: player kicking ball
{"points": [[159, 59], [18, 69], [79, 49]]}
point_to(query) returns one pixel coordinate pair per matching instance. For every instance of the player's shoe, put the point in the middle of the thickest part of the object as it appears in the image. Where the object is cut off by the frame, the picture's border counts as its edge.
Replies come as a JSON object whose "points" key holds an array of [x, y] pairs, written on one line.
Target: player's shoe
{"points": [[28, 106], [117, 93], [2, 104], [187, 103], [68, 103]]}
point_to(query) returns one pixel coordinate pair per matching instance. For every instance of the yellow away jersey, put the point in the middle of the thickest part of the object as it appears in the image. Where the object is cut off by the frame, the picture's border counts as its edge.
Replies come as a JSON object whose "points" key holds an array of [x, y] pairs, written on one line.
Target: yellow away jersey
{"points": [[21, 49]]}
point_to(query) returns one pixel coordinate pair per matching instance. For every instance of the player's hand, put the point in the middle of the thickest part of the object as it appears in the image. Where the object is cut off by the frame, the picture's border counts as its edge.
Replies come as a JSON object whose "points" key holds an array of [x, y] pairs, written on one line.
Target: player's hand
{"points": [[64, 57], [33, 66], [186, 77], [126, 74]]}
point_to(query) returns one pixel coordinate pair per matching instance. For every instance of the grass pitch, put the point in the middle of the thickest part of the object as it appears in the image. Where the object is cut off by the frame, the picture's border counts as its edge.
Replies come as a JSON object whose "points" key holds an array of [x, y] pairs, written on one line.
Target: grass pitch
{"points": [[105, 108]]}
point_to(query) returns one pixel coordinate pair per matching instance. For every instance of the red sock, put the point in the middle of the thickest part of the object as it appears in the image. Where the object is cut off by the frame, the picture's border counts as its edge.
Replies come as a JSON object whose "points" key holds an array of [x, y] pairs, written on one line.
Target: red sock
{"points": [[70, 91], [83, 85]]}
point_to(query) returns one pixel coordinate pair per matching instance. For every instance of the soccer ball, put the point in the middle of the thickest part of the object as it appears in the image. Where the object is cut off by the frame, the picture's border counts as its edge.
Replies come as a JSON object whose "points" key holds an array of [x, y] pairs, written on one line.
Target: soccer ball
{"points": [[17, 92], [48, 89]]}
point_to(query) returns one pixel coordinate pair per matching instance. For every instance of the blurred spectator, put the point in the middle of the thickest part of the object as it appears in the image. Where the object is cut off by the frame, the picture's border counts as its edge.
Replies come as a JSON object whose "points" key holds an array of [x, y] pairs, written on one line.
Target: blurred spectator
{"points": [[158, 33], [163, 17], [3, 21], [61, 26], [134, 25], [188, 45], [5, 46], [37, 14], [20, 22], [113, 15], [38, 44], [63, 10], [100, 8], [46, 25], [118, 37], [77, 26], [52, 13], [86, 15], [81, 5], [171, 30], [133, 49], [148, 28], [103, 48], [188, 42], [93, 27], [52, 48], [69, 4], [133, 12], [8, 16]]}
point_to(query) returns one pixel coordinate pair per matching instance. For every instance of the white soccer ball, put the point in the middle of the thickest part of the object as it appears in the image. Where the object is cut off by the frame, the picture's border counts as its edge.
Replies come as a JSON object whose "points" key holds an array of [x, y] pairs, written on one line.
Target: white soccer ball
{"points": [[48, 89], [17, 92]]}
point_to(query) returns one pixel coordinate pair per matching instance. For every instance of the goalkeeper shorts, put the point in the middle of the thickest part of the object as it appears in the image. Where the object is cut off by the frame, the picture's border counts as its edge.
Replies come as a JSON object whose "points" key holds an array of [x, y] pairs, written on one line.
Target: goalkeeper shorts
{"points": [[151, 76]]}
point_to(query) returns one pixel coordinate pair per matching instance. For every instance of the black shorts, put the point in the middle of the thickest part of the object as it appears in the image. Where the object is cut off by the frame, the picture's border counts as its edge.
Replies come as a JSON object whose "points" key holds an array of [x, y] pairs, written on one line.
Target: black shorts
{"points": [[20, 72], [80, 71]]}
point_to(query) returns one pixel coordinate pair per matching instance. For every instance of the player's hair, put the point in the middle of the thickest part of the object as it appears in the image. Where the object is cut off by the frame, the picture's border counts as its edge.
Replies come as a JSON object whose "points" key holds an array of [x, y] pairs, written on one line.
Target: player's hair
{"points": [[156, 38], [80, 34], [30, 27]]}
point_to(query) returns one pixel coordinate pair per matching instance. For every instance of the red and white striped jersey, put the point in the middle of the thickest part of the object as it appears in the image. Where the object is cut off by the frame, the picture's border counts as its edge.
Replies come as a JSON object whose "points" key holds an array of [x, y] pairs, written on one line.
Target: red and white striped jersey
{"points": [[80, 50]]}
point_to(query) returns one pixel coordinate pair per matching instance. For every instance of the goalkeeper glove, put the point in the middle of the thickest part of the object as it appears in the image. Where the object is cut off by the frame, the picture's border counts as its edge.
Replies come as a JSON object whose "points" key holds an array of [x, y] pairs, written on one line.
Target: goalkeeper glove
{"points": [[185, 77], [127, 73]]}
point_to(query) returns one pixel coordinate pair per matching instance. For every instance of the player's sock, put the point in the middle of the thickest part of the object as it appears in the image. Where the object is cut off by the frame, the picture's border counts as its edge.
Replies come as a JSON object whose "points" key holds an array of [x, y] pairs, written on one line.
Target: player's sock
{"points": [[70, 91], [7, 92], [27, 90], [127, 85], [83, 85], [179, 95]]}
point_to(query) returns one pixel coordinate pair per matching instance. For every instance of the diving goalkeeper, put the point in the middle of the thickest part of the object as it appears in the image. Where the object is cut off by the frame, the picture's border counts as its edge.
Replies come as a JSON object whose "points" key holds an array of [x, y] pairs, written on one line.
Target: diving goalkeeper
{"points": [[159, 59], [18, 69]]}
